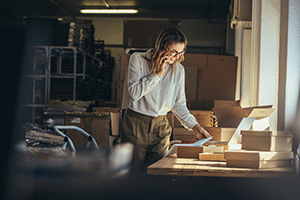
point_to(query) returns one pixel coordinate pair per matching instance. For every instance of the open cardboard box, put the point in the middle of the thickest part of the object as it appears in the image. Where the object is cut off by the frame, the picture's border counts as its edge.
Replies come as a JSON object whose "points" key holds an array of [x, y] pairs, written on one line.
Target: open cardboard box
{"points": [[236, 138], [232, 116]]}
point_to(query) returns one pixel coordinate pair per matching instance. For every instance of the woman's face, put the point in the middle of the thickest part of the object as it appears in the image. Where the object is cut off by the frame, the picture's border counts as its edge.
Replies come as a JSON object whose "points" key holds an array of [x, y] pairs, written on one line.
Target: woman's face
{"points": [[175, 50]]}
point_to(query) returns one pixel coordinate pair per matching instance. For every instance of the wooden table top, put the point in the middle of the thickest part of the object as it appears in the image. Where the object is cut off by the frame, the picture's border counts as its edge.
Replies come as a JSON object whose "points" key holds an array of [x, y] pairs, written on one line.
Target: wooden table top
{"points": [[195, 167]]}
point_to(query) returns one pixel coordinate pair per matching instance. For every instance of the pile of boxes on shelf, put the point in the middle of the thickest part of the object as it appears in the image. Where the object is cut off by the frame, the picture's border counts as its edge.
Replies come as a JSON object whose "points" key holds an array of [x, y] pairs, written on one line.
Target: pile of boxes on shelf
{"points": [[242, 138]]}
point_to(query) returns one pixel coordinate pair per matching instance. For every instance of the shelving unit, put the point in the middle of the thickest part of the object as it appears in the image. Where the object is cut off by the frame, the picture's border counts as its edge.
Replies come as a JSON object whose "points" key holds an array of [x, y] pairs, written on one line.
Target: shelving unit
{"points": [[56, 72]]}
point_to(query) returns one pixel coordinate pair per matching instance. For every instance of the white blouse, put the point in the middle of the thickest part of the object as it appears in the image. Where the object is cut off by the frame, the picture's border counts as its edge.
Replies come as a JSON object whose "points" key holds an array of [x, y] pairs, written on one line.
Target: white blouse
{"points": [[152, 95]]}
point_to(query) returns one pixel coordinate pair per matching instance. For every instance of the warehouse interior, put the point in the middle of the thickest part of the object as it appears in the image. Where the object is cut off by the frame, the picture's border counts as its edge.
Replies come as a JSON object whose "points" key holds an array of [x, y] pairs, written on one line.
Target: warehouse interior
{"points": [[49, 78]]}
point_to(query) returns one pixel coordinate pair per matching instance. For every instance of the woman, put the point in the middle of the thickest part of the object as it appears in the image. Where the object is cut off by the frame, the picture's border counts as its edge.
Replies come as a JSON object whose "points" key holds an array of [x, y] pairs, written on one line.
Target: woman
{"points": [[156, 85]]}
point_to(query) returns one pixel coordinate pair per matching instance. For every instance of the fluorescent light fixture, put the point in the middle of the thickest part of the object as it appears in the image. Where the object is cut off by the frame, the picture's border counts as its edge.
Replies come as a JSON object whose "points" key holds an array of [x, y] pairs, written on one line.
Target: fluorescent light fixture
{"points": [[108, 11]]}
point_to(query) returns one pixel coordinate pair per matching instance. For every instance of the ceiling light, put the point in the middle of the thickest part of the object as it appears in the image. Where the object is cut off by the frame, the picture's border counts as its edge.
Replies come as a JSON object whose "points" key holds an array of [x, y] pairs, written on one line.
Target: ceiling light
{"points": [[109, 11]]}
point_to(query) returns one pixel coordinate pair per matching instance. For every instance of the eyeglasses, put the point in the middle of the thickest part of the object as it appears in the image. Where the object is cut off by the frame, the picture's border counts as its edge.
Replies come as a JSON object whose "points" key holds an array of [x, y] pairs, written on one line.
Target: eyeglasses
{"points": [[174, 53]]}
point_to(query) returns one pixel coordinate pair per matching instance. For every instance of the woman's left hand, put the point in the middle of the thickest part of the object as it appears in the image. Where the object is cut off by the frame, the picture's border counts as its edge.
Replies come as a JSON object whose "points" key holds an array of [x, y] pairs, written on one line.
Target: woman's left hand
{"points": [[200, 132]]}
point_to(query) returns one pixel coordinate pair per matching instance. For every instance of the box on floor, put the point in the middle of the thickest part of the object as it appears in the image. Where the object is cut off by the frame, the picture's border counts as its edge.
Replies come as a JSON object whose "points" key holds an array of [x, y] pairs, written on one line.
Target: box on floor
{"points": [[103, 126]]}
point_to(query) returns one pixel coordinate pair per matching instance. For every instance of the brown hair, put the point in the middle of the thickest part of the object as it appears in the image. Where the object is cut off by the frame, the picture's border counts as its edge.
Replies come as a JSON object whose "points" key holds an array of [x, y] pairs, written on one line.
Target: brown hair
{"points": [[166, 38]]}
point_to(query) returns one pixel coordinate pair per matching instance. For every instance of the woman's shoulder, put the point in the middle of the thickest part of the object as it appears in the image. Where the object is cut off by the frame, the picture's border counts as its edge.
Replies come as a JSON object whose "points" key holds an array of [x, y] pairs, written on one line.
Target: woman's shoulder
{"points": [[179, 67], [142, 54]]}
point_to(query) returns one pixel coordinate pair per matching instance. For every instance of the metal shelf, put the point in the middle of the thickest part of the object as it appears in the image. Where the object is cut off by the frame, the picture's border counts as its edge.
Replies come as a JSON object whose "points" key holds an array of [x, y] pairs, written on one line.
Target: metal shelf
{"points": [[46, 64]]}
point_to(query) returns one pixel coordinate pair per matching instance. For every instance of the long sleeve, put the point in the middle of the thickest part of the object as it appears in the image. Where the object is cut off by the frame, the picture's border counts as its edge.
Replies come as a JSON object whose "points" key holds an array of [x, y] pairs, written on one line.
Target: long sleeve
{"points": [[180, 109], [140, 82]]}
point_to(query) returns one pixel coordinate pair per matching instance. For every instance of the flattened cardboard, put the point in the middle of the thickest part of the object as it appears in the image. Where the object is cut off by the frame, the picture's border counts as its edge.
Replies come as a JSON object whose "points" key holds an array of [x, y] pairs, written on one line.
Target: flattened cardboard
{"points": [[143, 33], [225, 103], [239, 112], [267, 140], [195, 60], [218, 81], [191, 76]]}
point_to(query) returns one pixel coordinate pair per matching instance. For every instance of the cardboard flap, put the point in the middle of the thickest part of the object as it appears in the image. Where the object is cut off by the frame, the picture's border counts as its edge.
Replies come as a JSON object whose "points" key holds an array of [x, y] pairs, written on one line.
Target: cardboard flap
{"points": [[229, 113], [261, 112], [245, 124], [239, 112]]}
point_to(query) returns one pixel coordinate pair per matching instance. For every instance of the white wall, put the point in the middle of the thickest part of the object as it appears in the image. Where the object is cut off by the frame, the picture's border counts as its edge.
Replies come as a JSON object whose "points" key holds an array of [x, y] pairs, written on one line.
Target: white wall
{"points": [[275, 60], [292, 103]]}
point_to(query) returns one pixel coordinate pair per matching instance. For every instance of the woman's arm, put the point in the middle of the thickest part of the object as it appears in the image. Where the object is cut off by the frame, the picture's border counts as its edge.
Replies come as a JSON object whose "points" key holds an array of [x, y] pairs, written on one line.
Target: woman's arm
{"points": [[139, 84], [183, 114]]}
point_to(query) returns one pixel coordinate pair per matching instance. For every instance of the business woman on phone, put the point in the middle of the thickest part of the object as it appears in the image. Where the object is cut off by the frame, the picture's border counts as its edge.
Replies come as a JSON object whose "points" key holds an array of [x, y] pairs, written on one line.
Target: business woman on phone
{"points": [[156, 85]]}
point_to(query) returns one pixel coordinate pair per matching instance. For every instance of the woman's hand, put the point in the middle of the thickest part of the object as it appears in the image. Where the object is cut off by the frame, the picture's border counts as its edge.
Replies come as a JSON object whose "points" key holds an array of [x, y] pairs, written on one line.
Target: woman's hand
{"points": [[164, 57], [200, 132]]}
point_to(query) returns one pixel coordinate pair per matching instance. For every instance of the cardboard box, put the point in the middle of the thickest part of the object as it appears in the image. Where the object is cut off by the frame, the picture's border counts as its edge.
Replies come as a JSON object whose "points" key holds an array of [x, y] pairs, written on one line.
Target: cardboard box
{"points": [[267, 140], [183, 134], [231, 116], [143, 33], [258, 159], [122, 93], [220, 134], [217, 81], [100, 125], [225, 103], [236, 138], [193, 152], [191, 79], [203, 117], [212, 156]]}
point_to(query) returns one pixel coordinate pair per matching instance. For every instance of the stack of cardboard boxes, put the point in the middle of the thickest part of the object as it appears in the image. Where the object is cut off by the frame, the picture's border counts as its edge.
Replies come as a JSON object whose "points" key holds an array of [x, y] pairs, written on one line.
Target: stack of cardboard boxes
{"points": [[262, 149], [102, 124]]}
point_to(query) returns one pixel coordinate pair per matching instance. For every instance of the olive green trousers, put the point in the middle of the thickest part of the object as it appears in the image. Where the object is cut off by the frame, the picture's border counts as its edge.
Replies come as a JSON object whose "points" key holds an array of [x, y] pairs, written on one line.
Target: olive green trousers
{"points": [[149, 135]]}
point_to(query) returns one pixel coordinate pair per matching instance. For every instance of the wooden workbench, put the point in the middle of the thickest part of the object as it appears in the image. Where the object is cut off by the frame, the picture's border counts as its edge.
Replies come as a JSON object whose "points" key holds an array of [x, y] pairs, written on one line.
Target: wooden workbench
{"points": [[194, 167]]}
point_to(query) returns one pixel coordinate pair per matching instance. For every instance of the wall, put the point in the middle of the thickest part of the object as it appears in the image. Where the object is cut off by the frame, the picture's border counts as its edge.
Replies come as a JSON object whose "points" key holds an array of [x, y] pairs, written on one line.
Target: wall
{"points": [[200, 33], [274, 68], [292, 102]]}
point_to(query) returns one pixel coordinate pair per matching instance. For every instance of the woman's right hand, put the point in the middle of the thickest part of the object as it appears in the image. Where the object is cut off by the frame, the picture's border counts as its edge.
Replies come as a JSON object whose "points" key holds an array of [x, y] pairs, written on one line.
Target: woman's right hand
{"points": [[163, 59]]}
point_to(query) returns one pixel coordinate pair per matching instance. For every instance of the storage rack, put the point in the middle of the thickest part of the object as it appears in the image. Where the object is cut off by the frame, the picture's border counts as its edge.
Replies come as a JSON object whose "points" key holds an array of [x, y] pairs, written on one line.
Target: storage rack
{"points": [[47, 64]]}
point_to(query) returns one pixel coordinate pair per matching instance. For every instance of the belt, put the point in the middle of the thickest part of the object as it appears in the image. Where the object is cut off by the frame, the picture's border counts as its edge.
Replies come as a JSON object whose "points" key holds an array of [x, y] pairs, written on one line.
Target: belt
{"points": [[139, 115]]}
